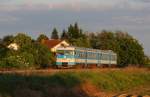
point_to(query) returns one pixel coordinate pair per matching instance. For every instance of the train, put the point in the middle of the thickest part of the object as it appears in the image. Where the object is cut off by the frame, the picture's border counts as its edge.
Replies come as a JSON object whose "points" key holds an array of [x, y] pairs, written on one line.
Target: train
{"points": [[84, 57]]}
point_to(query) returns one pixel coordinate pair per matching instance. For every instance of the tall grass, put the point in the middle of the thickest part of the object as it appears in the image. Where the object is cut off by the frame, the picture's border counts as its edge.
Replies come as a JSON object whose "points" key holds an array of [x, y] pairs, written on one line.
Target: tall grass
{"points": [[116, 81], [111, 81]]}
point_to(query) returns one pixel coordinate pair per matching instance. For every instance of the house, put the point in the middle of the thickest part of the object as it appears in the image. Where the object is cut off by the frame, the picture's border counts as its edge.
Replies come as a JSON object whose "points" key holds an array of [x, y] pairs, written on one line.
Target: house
{"points": [[13, 46], [53, 44]]}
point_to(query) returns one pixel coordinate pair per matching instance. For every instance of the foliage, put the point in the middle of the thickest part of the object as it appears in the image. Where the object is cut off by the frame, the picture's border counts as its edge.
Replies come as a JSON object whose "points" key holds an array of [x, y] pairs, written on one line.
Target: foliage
{"points": [[64, 35], [147, 61], [42, 55], [54, 34], [42, 37], [24, 60], [74, 31], [23, 41], [128, 49], [31, 54], [75, 36], [7, 40], [3, 50]]}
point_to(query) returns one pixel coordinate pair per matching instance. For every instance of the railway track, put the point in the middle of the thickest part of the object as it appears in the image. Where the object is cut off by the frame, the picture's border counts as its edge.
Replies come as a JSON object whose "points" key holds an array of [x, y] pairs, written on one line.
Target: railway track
{"points": [[71, 70]]}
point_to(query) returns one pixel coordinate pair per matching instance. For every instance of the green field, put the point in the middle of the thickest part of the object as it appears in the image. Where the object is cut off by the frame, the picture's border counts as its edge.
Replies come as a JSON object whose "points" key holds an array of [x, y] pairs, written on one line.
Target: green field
{"points": [[80, 83]]}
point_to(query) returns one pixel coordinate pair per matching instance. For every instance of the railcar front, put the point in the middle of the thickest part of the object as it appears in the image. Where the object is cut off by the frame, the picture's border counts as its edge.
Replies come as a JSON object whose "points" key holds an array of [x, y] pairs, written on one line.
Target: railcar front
{"points": [[65, 57]]}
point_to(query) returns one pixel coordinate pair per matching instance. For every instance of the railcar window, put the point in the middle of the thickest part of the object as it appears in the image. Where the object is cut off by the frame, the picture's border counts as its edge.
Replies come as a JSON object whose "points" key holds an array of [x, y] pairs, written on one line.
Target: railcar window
{"points": [[60, 52], [113, 57], [76, 53], [89, 55], [105, 56], [94, 55], [65, 52], [68, 52]]}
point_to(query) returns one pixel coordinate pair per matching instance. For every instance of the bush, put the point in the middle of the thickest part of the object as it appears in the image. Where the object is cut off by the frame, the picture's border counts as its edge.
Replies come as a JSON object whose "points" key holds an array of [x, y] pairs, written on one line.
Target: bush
{"points": [[30, 54], [17, 61], [42, 55]]}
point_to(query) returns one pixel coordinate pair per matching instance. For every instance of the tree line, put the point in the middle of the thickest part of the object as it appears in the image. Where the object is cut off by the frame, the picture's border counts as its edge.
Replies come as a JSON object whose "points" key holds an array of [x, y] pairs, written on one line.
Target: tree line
{"points": [[34, 54], [31, 53]]}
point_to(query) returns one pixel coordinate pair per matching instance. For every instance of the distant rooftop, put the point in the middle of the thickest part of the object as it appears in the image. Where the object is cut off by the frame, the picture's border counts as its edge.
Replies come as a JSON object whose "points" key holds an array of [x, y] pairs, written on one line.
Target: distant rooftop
{"points": [[52, 43]]}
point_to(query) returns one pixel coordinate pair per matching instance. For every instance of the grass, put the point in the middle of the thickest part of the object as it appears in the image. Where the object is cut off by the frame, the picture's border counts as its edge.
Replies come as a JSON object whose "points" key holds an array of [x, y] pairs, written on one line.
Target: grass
{"points": [[116, 81]]}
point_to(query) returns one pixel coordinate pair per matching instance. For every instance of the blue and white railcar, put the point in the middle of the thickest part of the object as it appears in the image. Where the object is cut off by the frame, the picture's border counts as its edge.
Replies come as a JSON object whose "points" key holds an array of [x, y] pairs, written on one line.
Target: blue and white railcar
{"points": [[71, 56]]}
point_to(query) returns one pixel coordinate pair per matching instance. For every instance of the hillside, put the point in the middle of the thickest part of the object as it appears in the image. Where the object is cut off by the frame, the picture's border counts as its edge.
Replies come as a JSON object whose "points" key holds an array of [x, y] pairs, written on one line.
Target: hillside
{"points": [[75, 83]]}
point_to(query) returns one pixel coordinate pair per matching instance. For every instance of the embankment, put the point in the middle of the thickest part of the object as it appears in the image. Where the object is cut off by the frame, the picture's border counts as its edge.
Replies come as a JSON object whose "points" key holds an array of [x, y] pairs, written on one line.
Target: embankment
{"points": [[80, 83]]}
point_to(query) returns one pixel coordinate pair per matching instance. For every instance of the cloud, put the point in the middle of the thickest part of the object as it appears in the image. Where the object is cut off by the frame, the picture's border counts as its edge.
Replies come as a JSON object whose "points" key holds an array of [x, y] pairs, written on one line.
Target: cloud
{"points": [[133, 19], [8, 19], [93, 15], [77, 5], [142, 1]]}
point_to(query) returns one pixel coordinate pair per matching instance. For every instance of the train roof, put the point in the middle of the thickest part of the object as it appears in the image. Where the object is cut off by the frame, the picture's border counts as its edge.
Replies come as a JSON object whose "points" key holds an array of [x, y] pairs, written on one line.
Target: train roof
{"points": [[81, 48]]}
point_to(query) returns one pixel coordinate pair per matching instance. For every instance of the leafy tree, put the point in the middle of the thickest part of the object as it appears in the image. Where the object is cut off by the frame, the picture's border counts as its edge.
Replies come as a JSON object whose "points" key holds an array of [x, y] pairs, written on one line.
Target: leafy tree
{"points": [[128, 49], [147, 61], [23, 40], [42, 37], [54, 34], [3, 50], [106, 40], [40, 52], [94, 41], [31, 54], [76, 37], [7, 40], [42, 55], [23, 60], [81, 42]]}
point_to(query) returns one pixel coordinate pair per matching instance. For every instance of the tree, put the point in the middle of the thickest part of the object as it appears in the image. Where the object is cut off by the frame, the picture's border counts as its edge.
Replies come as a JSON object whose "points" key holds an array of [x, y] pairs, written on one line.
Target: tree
{"points": [[64, 35], [42, 37], [104, 40], [7, 40], [147, 61], [31, 54], [21, 61], [42, 55], [74, 32], [76, 37], [3, 50], [128, 49], [54, 34], [94, 41], [22, 40]]}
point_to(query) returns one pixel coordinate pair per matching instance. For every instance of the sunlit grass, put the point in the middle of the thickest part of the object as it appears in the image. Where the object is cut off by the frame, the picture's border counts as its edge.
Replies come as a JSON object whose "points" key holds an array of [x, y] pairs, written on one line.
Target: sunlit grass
{"points": [[108, 81]]}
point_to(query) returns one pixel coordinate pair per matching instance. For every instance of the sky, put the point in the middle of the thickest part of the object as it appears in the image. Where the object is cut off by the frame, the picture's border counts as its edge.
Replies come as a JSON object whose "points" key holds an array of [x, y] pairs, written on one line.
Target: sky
{"points": [[41, 16]]}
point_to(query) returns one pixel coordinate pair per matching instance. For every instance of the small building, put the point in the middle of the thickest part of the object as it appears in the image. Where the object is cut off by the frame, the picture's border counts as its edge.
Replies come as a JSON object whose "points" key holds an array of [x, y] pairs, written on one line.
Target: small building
{"points": [[53, 44], [13, 46]]}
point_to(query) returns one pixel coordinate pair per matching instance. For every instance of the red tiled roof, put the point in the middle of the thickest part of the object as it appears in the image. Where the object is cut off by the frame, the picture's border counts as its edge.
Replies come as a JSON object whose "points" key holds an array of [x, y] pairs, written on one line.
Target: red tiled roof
{"points": [[52, 43]]}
